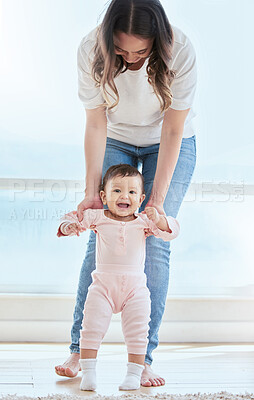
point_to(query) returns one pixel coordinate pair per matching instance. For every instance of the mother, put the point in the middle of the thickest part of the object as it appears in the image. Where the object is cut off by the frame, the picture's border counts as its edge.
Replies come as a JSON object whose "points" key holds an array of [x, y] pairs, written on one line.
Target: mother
{"points": [[137, 78]]}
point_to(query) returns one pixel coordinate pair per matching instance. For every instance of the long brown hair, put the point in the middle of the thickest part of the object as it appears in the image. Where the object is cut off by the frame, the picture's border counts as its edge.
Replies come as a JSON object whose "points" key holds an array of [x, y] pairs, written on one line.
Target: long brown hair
{"points": [[145, 18]]}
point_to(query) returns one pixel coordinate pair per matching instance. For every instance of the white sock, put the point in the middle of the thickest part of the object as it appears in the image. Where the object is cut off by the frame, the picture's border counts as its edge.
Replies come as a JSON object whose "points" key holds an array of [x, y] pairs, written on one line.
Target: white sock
{"points": [[133, 376], [88, 381]]}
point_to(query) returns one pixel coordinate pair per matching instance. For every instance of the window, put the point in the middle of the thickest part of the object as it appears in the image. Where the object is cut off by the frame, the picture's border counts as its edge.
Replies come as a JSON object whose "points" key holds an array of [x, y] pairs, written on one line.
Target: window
{"points": [[42, 163]]}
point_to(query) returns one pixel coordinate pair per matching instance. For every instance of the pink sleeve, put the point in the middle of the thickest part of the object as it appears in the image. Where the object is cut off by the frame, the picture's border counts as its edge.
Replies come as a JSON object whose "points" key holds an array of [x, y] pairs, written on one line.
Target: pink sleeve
{"points": [[173, 225], [70, 218], [165, 235]]}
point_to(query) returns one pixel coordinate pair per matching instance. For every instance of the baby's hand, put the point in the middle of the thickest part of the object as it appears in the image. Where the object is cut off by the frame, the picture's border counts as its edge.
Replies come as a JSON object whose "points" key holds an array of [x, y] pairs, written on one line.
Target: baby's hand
{"points": [[152, 214], [148, 232], [71, 229], [92, 227]]}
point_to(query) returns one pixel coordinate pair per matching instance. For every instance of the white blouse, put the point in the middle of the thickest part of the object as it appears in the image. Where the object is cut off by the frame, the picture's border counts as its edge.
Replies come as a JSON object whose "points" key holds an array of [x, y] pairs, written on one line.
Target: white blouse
{"points": [[137, 119]]}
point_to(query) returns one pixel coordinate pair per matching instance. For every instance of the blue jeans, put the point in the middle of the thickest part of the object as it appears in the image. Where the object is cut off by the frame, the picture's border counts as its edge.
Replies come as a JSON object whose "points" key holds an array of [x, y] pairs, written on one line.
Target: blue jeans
{"points": [[157, 251]]}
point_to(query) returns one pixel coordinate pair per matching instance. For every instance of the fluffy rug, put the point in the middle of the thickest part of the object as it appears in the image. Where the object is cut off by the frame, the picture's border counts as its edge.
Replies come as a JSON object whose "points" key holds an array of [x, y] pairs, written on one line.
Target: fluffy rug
{"points": [[163, 396]]}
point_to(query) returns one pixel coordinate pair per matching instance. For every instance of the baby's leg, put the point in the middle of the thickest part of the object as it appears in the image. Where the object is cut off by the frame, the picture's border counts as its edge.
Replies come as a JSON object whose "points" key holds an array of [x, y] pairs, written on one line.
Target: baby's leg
{"points": [[136, 358], [135, 368], [97, 315], [88, 366], [135, 319]]}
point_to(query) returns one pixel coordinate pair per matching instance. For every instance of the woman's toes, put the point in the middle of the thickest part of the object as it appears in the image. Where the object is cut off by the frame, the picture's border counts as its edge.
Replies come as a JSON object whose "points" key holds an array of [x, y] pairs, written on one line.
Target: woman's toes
{"points": [[149, 378], [146, 382], [58, 372]]}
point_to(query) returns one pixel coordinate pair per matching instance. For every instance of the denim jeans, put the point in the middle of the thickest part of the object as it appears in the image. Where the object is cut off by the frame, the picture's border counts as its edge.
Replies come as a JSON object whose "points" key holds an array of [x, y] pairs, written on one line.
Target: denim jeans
{"points": [[157, 251]]}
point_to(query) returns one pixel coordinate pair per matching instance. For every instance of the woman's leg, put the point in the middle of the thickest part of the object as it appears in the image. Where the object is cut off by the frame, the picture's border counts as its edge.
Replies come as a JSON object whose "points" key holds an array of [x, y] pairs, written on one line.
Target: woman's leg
{"points": [[116, 153], [158, 251]]}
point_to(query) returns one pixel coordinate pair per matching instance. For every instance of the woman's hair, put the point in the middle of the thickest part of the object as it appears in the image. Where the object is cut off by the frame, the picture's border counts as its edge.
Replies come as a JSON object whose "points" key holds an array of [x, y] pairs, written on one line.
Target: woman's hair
{"points": [[144, 18], [121, 170]]}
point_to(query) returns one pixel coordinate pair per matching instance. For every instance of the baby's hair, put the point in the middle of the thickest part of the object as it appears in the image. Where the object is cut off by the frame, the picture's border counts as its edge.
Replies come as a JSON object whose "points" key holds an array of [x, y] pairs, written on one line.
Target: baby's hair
{"points": [[122, 170]]}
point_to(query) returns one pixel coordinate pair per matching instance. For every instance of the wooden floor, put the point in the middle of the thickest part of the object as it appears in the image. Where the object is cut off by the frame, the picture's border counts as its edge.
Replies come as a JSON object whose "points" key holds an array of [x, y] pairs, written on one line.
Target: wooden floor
{"points": [[28, 369]]}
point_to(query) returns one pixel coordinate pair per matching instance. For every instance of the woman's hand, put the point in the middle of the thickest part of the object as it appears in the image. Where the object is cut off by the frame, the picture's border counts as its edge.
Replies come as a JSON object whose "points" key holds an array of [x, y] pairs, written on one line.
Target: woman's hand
{"points": [[158, 206], [88, 202]]}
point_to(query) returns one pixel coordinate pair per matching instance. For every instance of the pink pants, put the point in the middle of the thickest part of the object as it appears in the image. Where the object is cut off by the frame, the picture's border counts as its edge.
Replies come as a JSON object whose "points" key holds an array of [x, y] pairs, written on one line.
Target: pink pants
{"points": [[114, 292]]}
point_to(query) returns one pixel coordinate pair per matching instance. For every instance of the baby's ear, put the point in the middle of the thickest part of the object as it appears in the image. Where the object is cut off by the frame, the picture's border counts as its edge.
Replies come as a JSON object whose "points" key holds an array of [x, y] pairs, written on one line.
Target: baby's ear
{"points": [[103, 196], [142, 198]]}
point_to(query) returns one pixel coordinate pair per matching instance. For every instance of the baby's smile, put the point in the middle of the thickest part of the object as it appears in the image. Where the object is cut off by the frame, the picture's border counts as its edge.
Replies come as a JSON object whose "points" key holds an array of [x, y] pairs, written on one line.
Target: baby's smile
{"points": [[123, 205]]}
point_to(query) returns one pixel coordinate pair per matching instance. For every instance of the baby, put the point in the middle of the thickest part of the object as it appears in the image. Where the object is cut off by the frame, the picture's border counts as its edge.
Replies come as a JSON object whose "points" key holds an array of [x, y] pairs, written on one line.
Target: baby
{"points": [[119, 281]]}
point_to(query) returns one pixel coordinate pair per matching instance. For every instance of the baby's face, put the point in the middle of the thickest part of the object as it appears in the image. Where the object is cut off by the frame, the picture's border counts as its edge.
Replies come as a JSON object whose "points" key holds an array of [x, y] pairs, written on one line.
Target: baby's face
{"points": [[123, 195]]}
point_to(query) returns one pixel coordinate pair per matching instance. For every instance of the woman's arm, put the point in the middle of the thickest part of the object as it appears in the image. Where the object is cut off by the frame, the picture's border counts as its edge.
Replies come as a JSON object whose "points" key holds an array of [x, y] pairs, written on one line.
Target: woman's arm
{"points": [[171, 138], [95, 144]]}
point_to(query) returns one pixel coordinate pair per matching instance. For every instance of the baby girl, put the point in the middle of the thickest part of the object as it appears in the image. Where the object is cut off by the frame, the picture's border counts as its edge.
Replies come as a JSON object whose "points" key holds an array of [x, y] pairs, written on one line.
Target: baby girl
{"points": [[119, 281]]}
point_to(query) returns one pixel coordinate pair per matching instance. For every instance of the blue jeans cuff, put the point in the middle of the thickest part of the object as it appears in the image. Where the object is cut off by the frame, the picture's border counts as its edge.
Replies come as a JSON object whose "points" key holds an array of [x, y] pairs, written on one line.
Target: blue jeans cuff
{"points": [[74, 348]]}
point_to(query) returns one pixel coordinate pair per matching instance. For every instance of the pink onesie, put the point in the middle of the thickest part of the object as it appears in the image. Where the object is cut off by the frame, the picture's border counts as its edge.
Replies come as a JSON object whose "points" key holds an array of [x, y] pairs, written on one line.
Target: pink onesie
{"points": [[119, 281]]}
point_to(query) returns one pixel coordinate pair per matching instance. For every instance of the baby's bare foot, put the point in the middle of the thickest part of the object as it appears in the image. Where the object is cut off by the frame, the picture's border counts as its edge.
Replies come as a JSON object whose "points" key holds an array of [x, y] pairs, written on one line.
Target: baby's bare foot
{"points": [[70, 367], [149, 378]]}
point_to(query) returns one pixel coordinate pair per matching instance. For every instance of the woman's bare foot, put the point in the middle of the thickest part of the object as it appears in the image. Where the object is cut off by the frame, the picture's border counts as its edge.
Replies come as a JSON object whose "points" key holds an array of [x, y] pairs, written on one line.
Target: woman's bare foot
{"points": [[70, 367], [149, 378]]}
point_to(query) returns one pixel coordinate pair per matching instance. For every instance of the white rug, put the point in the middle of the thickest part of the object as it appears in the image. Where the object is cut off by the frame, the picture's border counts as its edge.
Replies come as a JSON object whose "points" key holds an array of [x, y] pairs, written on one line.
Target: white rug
{"points": [[163, 396]]}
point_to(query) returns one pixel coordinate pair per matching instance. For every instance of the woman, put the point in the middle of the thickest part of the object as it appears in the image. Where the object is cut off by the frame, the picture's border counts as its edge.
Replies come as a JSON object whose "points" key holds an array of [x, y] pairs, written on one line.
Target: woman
{"points": [[137, 79]]}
